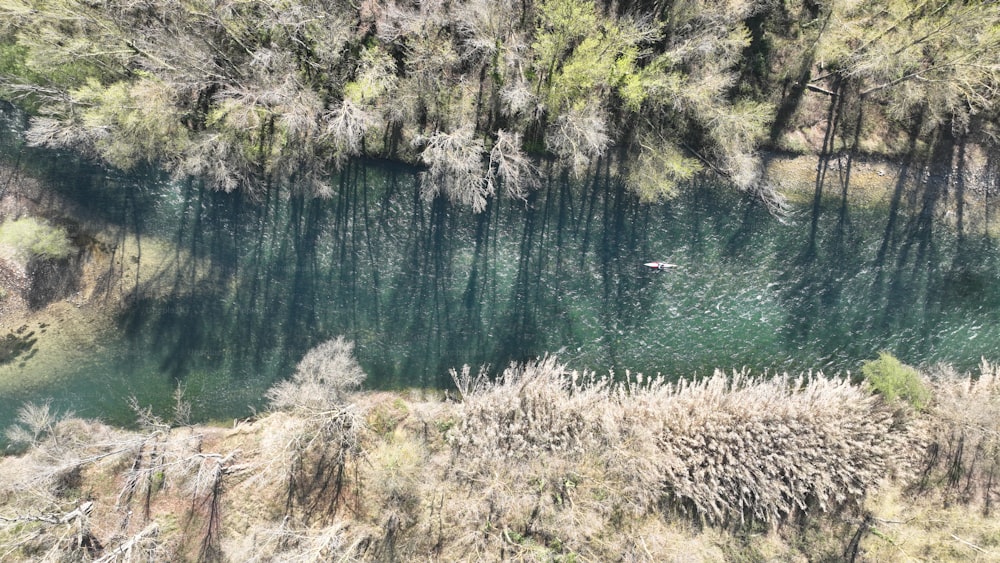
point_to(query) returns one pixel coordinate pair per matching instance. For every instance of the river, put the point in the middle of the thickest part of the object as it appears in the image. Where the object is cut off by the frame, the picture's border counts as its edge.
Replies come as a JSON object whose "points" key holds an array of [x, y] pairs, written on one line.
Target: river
{"points": [[422, 287]]}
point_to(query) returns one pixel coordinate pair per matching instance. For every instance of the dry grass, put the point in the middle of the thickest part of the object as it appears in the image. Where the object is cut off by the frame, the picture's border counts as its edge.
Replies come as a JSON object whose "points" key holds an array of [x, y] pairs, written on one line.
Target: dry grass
{"points": [[963, 453], [46, 517], [539, 463], [927, 527], [725, 449], [943, 511]]}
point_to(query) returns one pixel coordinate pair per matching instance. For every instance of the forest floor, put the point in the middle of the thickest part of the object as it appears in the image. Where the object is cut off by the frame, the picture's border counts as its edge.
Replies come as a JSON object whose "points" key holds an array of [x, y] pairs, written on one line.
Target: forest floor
{"points": [[963, 199]]}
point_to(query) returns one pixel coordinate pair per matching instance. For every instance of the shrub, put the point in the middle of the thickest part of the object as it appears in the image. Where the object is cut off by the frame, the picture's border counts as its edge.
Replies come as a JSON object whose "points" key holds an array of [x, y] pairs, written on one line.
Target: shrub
{"points": [[742, 449], [31, 238], [963, 452], [529, 409], [892, 379], [321, 378]]}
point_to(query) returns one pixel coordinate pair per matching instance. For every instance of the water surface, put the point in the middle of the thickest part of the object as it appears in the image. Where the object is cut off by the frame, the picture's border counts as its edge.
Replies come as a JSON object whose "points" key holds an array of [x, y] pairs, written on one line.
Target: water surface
{"points": [[422, 287]]}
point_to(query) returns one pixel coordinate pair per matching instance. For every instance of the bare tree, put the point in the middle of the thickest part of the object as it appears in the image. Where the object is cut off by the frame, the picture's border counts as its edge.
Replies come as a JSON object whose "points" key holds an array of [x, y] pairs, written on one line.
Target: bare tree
{"points": [[34, 423], [314, 455], [321, 380], [511, 167], [65, 134], [516, 98], [346, 126], [578, 137], [455, 168]]}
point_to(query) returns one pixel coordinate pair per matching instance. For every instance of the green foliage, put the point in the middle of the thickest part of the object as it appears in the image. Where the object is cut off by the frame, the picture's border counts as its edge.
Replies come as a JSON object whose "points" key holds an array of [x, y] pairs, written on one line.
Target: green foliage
{"points": [[658, 170], [12, 59], [592, 56], [64, 43], [736, 130], [560, 24], [30, 237], [252, 94], [936, 59], [659, 81], [144, 118], [894, 380], [375, 77], [244, 122]]}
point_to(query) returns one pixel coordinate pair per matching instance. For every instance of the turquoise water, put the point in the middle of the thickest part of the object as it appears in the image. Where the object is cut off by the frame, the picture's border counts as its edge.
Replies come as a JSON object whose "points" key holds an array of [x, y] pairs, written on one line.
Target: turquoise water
{"points": [[422, 287]]}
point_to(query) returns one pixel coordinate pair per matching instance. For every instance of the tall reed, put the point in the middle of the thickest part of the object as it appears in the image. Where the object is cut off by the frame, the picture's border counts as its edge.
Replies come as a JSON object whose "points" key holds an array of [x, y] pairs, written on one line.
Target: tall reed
{"points": [[726, 448]]}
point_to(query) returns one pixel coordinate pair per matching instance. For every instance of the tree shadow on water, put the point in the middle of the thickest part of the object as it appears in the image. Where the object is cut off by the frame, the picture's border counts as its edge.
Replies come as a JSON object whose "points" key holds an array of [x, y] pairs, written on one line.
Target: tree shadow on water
{"points": [[823, 311], [908, 261], [17, 345]]}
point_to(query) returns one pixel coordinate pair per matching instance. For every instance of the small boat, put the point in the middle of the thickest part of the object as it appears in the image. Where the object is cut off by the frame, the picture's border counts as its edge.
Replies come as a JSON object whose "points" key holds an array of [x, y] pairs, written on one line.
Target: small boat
{"points": [[659, 265]]}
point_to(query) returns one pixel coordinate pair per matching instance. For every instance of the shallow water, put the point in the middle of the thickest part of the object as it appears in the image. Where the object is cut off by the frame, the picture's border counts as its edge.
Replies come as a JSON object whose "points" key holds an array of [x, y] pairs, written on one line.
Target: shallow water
{"points": [[422, 287]]}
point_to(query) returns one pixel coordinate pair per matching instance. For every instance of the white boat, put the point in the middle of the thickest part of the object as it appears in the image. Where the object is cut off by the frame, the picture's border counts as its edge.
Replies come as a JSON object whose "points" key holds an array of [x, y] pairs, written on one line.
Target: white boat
{"points": [[659, 265]]}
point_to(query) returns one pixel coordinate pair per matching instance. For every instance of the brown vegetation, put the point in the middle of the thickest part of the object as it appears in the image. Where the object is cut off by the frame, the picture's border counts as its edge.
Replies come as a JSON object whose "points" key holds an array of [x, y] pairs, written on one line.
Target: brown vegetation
{"points": [[538, 463]]}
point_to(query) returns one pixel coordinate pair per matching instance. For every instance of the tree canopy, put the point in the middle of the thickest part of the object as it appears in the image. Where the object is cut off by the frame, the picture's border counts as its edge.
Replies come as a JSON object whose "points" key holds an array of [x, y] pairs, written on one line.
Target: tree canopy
{"points": [[247, 94]]}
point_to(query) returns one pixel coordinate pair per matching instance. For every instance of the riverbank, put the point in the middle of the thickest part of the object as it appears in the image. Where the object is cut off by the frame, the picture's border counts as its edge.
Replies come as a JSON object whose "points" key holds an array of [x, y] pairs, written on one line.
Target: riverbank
{"points": [[960, 193], [544, 465], [48, 324], [47, 331]]}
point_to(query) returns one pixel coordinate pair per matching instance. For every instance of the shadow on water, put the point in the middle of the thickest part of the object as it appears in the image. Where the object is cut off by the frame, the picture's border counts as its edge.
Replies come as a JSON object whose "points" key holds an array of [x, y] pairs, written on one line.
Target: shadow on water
{"points": [[896, 279], [815, 284], [17, 345], [232, 292]]}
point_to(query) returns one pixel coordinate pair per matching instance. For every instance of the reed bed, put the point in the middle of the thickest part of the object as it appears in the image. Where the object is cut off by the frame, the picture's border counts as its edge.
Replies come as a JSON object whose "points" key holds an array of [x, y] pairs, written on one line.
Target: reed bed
{"points": [[730, 447], [536, 463]]}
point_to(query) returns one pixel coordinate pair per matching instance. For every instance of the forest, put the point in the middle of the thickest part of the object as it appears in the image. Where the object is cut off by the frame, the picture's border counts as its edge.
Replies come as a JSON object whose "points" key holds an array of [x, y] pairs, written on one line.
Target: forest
{"points": [[488, 97]]}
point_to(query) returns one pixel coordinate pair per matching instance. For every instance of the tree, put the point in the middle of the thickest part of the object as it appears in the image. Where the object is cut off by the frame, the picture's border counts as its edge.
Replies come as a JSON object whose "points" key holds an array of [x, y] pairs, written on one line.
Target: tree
{"points": [[209, 90], [510, 166], [934, 61], [252, 94], [455, 168], [321, 379], [687, 88], [34, 423], [659, 168], [578, 137]]}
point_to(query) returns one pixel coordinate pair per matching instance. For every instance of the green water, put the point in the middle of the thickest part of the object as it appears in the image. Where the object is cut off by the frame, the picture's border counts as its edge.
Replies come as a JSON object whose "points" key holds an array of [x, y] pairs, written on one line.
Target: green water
{"points": [[422, 287]]}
